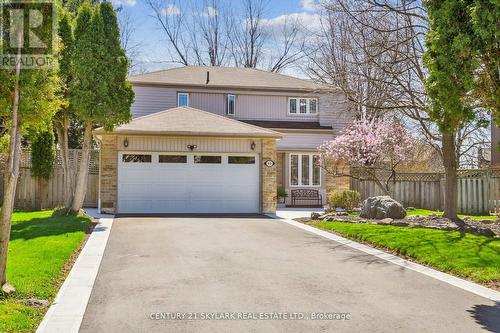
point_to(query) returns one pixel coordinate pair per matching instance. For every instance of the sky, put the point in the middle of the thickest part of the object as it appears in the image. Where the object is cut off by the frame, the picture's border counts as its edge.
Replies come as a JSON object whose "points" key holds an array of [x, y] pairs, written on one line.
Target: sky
{"points": [[151, 38]]}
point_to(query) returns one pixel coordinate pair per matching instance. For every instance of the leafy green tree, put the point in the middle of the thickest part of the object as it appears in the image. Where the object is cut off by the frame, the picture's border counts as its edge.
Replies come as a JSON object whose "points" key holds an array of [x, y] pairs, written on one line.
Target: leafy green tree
{"points": [[451, 65], [99, 92], [28, 98], [484, 17], [63, 118], [43, 154]]}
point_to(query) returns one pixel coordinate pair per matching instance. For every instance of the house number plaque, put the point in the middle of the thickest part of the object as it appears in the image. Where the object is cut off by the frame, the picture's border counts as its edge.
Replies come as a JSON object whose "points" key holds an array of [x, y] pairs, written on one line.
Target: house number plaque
{"points": [[269, 163]]}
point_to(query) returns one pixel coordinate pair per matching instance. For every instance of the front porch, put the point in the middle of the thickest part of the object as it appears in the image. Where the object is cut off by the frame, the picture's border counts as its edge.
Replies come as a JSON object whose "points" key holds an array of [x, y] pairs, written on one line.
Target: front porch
{"points": [[301, 170], [295, 212]]}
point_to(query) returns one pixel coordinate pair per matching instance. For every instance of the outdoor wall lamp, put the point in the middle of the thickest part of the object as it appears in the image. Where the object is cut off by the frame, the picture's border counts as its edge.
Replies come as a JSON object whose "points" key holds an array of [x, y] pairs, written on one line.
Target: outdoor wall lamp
{"points": [[191, 147], [252, 145], [125, 142]]}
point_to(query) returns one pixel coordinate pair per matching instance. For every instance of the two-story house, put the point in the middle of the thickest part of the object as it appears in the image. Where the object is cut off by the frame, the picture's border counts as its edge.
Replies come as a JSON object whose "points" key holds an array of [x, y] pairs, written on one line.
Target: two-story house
{"points": [[218, 140]]}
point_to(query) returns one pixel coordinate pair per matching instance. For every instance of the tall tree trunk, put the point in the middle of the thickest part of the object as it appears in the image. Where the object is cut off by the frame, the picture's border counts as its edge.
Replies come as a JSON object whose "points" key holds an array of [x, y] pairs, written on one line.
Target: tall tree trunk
{"points": [[62, 135], [450, 163], [83, 171], [11, 172]]}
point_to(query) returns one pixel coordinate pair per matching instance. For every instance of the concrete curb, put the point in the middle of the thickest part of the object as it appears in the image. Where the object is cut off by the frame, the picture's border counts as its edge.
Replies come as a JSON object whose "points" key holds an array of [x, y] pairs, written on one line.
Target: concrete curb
{"points": [[66, 312], [450, 279]]}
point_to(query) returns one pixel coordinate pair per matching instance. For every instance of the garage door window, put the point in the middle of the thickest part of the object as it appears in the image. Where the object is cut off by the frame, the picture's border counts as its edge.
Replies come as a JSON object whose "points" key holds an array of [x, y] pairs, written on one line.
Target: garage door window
{"points": [[172, 159], [136, 158], [241, 160], [206, 159]]}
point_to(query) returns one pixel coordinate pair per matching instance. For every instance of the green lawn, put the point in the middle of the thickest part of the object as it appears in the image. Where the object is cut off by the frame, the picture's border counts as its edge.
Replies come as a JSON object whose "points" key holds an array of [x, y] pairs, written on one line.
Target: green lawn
{"points": [[39, 248], [426, 212], [469, 256]]}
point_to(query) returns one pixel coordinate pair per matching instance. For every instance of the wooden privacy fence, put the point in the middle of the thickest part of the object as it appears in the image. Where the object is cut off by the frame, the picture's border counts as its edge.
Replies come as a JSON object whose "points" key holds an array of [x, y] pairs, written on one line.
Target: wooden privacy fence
{"points": [[33, 193], [478, 190]]}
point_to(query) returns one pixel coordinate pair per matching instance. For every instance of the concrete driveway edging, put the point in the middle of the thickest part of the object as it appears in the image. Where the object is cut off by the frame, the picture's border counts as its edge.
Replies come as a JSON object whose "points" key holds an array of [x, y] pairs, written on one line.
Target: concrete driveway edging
{"points": [[66, 312], [450, 279]]}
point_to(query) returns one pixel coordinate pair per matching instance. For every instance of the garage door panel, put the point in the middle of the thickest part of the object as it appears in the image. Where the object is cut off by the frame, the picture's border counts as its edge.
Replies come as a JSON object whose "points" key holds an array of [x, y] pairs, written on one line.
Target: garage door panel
{"points": [[135, 206], [187, 187], [135, 190], [170, 206]]}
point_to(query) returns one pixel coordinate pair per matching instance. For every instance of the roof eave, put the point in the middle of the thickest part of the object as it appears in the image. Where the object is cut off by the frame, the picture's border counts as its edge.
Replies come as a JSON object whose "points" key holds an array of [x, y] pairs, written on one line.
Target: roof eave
{"points": [[256, 88], [275, 135]]}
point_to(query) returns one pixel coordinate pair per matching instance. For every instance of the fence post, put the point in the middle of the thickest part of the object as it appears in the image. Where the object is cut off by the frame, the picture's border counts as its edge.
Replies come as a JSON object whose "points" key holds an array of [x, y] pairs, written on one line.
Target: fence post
{"points": [[486, 188], [442, 194]]}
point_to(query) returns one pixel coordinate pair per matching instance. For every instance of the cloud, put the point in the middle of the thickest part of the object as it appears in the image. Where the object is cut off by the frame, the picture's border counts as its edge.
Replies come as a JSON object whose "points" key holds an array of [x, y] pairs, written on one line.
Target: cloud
{"points": [[310, 5], [130, 3], [307, 20], [171, 10], [211, 11]]}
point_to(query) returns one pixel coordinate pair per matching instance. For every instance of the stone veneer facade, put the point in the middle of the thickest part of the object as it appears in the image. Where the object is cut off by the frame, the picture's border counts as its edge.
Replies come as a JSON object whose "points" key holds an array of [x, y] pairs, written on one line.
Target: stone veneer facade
{"points": [[269, 176], [336, 183], [108, 174], [108, 171]]}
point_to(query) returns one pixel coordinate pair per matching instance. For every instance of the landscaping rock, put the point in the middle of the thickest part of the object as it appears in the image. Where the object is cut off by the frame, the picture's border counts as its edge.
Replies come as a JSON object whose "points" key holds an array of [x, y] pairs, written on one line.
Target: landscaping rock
{"points": [[480, 231], [7, 289], [387, 220], [315, 216], [399, 223], [34, 302], [382, 207], [327, 217]]}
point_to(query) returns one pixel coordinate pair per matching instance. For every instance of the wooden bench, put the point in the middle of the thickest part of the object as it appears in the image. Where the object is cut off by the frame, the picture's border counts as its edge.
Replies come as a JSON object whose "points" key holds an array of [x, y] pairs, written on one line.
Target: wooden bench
{"points": [[307, 195]]}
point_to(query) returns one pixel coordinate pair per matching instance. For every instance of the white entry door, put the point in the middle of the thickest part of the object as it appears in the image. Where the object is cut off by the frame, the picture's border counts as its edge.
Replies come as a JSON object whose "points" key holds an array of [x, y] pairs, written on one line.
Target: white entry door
{"points": [[151, 182]]}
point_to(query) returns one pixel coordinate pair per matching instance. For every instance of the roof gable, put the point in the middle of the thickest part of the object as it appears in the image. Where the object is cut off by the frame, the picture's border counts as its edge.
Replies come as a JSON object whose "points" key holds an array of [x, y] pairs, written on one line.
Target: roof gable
{"points": [[192, 122], [224, 77]]}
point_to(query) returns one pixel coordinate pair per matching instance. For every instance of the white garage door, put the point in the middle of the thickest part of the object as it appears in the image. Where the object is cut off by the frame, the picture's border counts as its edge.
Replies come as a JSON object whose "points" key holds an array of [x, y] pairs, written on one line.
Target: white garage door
{"points": [[187, 183]]}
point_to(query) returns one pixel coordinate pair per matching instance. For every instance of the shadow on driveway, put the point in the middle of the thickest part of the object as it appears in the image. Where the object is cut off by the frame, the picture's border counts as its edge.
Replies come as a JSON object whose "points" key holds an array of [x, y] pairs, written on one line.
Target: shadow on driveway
{"points": [[488, 316]]}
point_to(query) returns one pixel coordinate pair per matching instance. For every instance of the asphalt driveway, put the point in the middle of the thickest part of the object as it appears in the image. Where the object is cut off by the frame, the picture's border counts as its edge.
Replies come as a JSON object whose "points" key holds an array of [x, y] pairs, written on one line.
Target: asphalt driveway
{"points": [[155, 268]]}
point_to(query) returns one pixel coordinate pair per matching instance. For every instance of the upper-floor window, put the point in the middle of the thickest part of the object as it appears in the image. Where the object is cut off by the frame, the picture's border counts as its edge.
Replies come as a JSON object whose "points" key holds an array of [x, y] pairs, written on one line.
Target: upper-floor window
{"points": [[182, 99], [298, 105], [231, 105]]}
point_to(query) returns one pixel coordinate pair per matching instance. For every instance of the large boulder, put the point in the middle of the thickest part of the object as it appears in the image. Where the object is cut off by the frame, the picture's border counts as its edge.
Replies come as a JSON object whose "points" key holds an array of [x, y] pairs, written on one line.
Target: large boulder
{"points": [[382, 207]]}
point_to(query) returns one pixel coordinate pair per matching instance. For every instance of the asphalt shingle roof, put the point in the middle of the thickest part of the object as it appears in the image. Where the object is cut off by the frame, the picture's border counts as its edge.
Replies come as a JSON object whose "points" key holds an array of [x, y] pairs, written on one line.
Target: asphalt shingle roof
{"points": [[192, 122], [224, 77]]}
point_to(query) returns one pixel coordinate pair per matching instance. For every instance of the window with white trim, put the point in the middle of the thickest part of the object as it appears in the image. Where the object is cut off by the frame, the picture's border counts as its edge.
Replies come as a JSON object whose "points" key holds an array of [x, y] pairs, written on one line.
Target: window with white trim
{"points": [[230, 105], [302, 105], [182, 99], [305, 170]]}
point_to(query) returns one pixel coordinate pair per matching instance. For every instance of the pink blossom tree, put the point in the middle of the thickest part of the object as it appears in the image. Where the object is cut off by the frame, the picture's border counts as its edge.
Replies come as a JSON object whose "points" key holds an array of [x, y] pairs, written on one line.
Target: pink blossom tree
{"points": [[374, 147]]}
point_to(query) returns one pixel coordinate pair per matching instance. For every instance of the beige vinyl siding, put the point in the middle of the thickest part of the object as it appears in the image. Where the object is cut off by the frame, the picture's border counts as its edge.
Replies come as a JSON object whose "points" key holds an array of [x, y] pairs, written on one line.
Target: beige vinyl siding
{"points": [[179, 144], [249, 105], [267, 107], [334, 111], [255, 107], [308, 141], [152, 99], [215, 103]]}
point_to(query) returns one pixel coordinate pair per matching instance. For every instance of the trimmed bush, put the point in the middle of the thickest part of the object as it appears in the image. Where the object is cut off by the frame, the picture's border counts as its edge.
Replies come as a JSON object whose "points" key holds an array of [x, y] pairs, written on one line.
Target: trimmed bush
{"points": [[43, 154], [344, 199]]}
